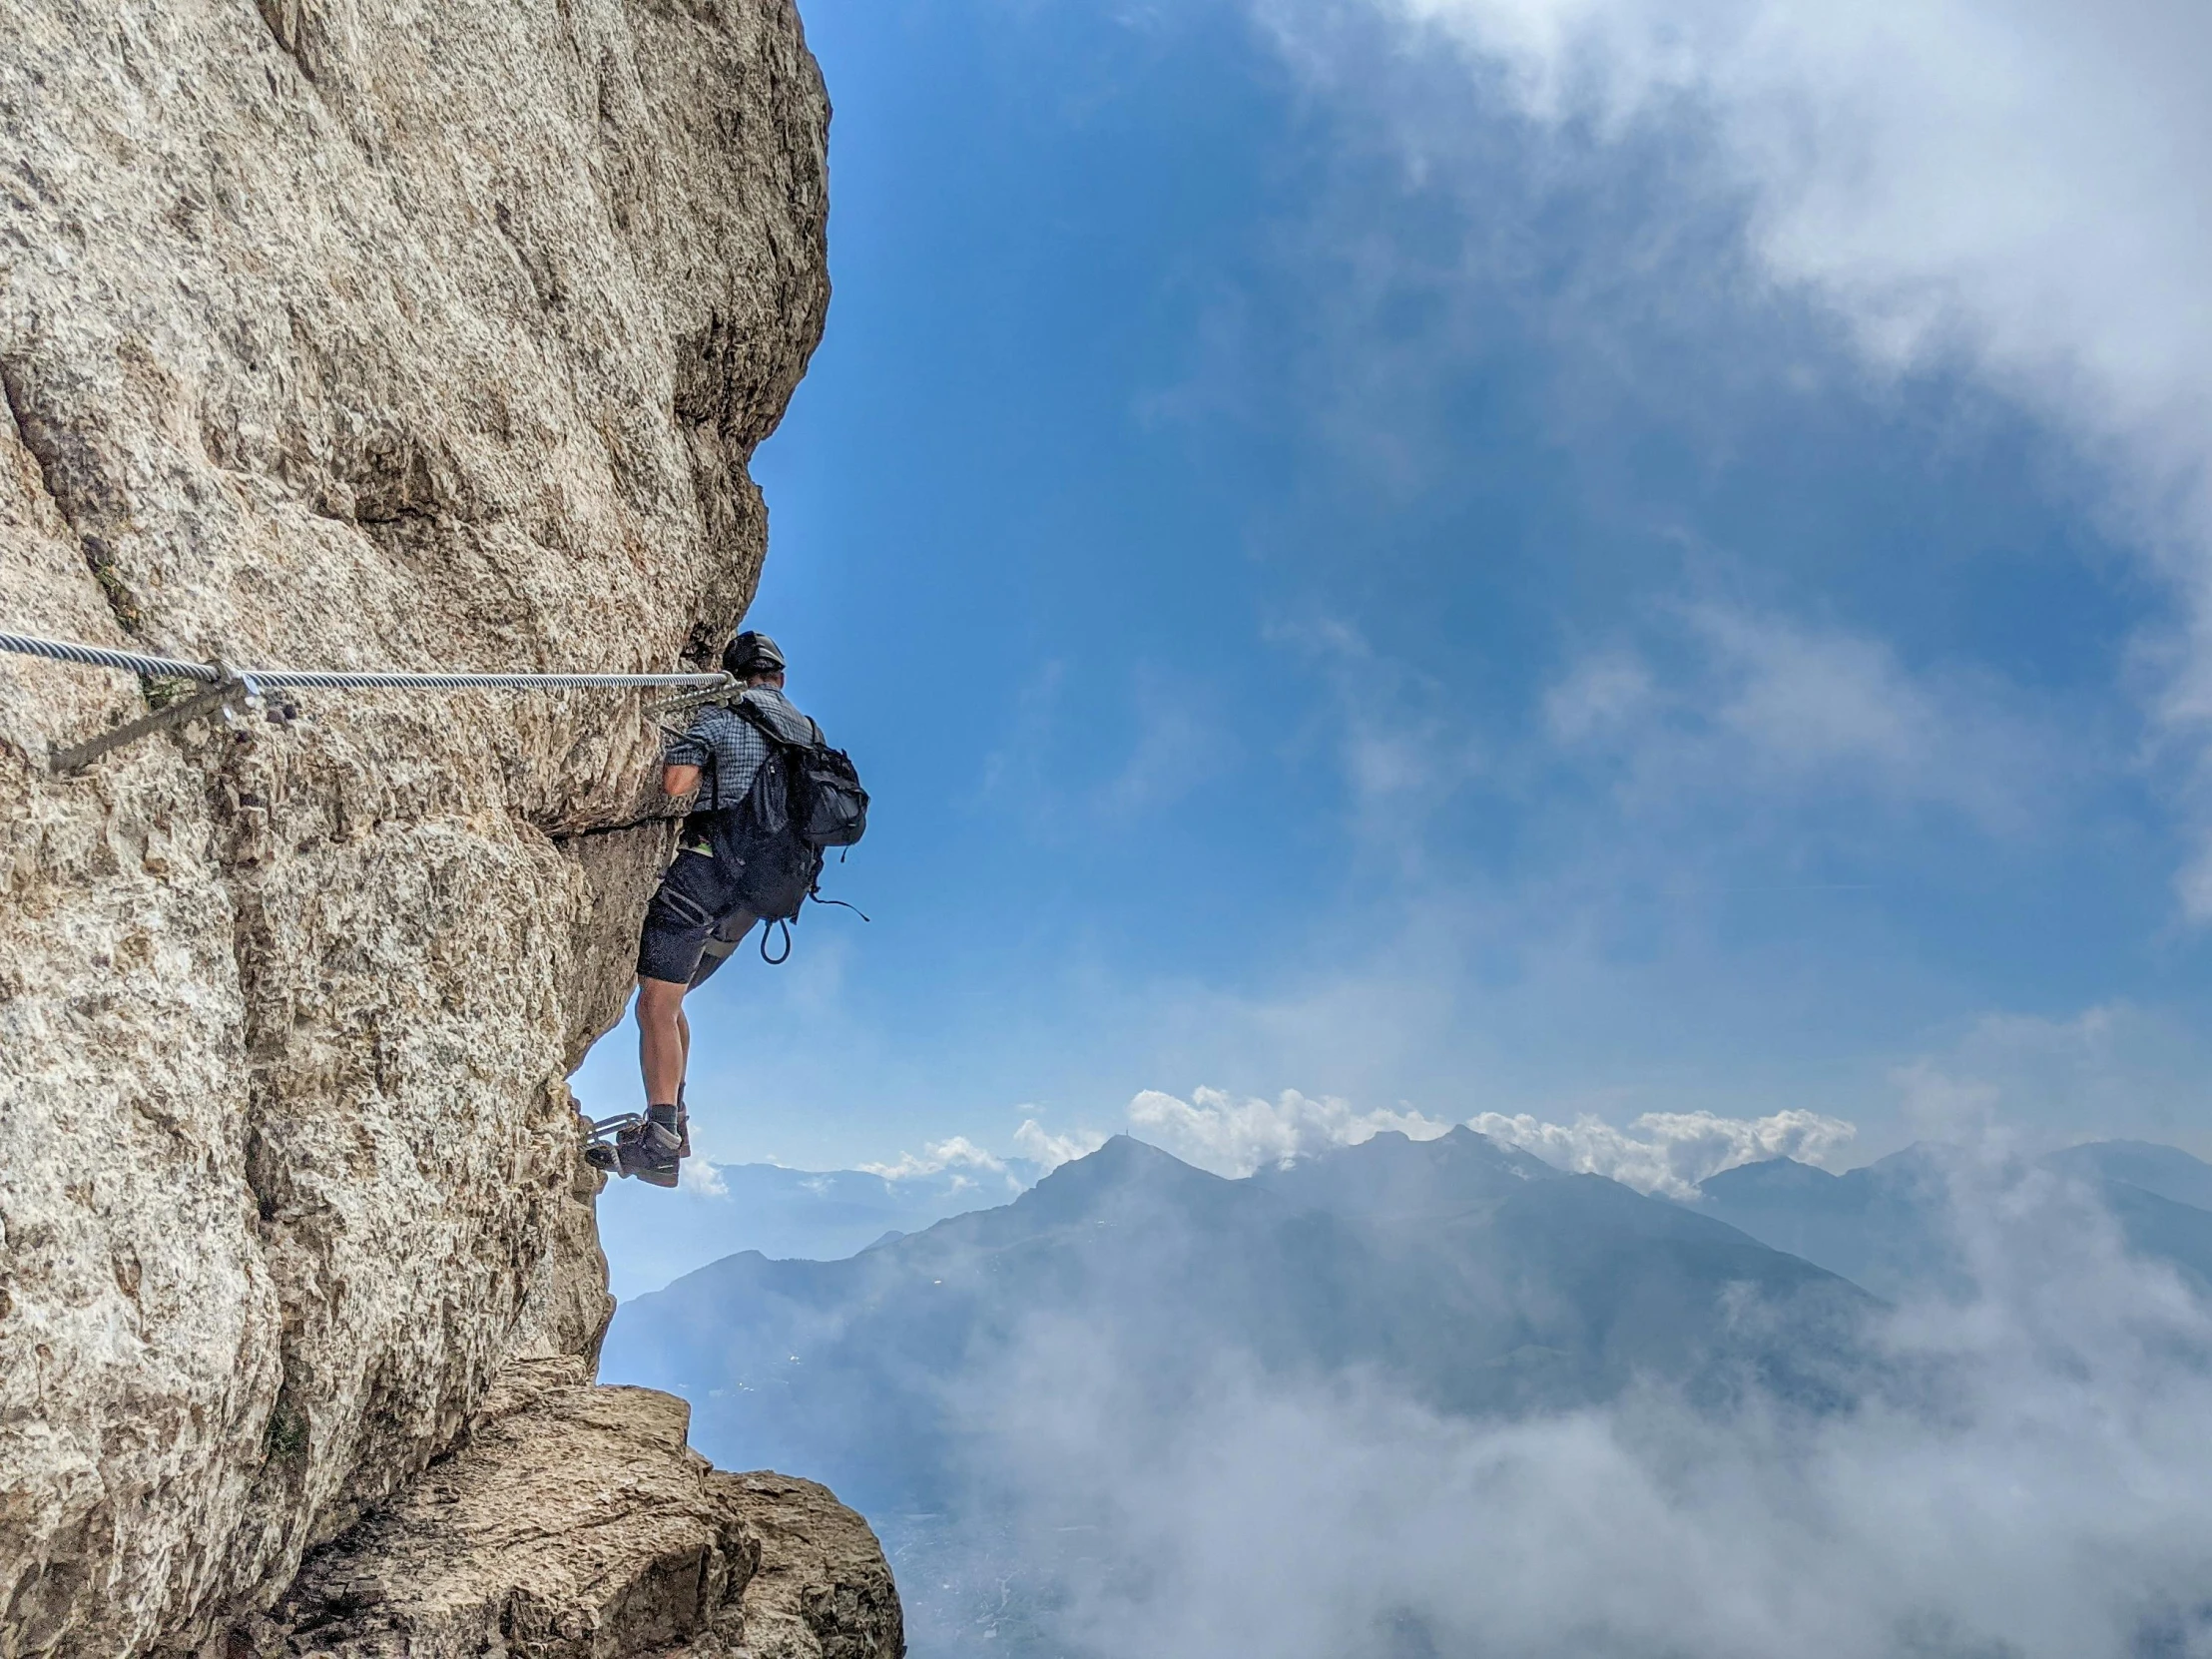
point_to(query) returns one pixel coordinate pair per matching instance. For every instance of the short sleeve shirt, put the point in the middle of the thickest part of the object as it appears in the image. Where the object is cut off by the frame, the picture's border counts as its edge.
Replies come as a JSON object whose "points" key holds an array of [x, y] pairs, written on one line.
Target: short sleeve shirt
{"points": [[728, 747]]}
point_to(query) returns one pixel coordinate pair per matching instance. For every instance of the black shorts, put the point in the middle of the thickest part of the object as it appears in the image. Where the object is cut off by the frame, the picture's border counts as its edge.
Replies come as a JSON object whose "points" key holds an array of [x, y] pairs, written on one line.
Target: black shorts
{"points": [[720, 948], [698, 906]]}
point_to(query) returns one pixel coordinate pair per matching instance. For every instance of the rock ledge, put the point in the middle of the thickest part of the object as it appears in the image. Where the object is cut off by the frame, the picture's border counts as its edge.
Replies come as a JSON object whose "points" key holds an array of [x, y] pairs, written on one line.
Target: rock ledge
{"points": [[575, 1521]]}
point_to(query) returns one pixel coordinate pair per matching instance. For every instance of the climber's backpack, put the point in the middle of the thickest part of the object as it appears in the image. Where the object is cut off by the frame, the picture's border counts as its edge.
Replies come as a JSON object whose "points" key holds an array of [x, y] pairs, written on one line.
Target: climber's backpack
{"points": [[804, 798], [816, 791]]}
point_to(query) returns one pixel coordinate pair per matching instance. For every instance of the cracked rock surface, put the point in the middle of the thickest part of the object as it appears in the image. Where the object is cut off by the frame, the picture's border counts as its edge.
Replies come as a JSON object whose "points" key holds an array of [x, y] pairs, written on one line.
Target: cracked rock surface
{"points": [[378, 333], [575, 1521]]}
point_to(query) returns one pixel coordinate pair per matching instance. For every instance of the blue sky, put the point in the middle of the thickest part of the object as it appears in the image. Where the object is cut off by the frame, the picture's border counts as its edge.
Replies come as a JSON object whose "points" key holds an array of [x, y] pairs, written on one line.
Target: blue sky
{"points": [[1555, 558]]}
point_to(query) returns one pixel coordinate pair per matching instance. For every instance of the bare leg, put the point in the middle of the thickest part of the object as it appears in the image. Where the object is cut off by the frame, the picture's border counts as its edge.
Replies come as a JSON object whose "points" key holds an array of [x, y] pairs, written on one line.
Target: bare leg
{"points": [[663, 1040], [659, 1025]]}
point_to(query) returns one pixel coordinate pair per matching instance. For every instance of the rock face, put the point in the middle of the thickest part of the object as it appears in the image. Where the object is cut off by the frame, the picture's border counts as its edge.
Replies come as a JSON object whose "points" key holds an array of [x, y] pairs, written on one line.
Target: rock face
{"points": [[399, 333], [575, 1522]]}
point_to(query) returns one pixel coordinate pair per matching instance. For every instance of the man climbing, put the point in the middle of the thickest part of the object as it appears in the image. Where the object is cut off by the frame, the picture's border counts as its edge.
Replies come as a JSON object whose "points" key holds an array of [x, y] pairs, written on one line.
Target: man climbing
{"points": [[769, 796]]}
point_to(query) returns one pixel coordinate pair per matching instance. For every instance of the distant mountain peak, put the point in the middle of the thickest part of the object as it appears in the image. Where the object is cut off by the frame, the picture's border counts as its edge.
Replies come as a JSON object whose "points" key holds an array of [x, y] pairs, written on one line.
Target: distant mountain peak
{"points": [[1122, 1158], [1393, 1176], [2164, 1170], [1770, 1178], [1123, 1168]]}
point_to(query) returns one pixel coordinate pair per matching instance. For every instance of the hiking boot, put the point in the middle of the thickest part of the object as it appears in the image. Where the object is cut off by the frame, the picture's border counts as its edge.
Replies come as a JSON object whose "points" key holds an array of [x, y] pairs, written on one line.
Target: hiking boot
{"points": [[659, 1147], [683, 1124], [649, 1147]]}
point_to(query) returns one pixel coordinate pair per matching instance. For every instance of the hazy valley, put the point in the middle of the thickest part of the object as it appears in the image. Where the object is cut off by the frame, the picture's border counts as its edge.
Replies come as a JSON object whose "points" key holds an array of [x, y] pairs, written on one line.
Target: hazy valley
{"points": [[1412, 1359]]}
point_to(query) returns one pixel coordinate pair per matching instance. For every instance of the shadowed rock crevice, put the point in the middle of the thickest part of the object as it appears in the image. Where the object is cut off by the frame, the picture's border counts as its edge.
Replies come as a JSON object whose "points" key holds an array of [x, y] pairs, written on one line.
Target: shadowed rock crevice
{"points": [[283, 19], [64, 467]]}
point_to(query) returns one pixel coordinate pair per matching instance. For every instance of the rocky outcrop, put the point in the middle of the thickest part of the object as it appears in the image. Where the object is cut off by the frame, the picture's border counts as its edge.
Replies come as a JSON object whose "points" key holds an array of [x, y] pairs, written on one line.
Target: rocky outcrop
{"points": [[575, 1522], [337, 333]]}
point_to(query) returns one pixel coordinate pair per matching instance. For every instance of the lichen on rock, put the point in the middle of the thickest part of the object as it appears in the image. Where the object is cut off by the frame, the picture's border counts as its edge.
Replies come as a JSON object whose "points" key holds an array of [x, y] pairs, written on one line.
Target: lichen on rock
{"points": [[393, 335]]}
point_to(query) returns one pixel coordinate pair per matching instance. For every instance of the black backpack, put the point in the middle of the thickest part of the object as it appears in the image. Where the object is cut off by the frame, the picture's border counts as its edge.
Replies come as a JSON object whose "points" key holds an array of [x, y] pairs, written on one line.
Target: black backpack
{"points": [[805, 796], [815, 791]]}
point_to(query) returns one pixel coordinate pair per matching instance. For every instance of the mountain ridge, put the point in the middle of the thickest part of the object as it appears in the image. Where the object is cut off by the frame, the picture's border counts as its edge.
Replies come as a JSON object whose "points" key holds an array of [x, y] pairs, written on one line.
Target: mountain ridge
{"points": [[1889, 1225], [1532, 1291]]}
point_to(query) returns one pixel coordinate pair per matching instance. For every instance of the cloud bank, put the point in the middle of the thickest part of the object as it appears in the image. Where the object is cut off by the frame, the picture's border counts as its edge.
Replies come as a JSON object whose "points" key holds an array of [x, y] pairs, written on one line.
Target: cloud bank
{"points": [[1234, 1137], [1669, 1153], [1046, 1151], [1803, 713], [2010, 186], [2041, 1489], [2014, 179], [958, 1155]]}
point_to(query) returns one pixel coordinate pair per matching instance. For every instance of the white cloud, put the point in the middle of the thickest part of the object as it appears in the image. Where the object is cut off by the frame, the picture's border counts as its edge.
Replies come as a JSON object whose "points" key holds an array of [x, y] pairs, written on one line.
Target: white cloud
{"points": [[1669, 1153], [1048, 1151], [1604, 693], [1821, 701], [1037, 1152], [1761, 704], [936, 1157], [1179, 745], [1938, 1106], [2042, 1494], [1402, 749], [703, 1180], [2042, 1490], [2014, 184], [2017, 178], [1234, 1137], [2115, 1070]]}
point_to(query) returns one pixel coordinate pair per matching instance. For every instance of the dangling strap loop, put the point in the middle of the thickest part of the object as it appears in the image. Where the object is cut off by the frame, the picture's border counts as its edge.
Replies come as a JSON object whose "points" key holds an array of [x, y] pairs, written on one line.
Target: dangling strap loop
{"points": [[777, 962]]}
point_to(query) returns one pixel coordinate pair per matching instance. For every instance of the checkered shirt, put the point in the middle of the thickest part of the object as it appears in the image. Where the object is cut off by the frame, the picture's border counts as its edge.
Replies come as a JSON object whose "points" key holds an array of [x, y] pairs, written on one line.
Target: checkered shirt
{"points": [[729, 747]]}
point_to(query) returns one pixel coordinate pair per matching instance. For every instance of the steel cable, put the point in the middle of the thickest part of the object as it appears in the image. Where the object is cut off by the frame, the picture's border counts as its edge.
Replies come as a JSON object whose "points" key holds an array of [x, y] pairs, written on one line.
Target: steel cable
{"points": [[96, 656], [288, 678]]}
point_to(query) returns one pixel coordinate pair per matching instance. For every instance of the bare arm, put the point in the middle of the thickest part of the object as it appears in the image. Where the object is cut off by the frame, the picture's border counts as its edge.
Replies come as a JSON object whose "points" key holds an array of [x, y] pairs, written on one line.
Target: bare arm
{"points": [[678, 781]]}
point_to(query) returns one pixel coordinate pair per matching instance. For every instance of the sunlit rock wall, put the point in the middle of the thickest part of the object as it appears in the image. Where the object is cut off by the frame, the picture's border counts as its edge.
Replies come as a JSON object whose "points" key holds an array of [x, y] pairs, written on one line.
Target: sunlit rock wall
{"points": [[342, 333]]}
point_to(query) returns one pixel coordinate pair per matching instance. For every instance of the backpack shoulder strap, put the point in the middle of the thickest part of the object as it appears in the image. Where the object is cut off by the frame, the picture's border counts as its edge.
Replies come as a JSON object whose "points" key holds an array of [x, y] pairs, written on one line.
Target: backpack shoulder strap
{"points": [[782, 726]]}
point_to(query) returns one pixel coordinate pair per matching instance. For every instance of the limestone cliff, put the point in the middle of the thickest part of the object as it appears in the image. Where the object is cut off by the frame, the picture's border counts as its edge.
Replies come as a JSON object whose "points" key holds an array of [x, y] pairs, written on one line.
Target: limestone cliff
{"points": [[407, 334]]}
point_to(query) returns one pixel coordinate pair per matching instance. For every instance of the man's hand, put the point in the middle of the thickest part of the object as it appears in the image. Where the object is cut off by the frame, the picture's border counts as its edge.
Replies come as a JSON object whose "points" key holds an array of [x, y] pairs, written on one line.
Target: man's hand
{"points": [[678, 781]]}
